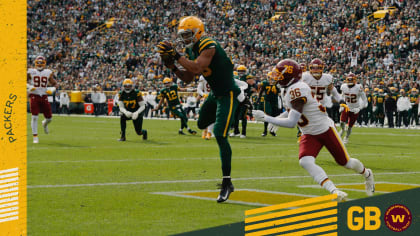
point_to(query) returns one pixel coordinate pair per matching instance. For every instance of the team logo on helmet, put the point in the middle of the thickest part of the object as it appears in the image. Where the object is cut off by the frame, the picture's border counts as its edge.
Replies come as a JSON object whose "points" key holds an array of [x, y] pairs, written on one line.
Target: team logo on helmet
{"points": [[351, 79], [287, 72], [241, 70], [167, 82]]}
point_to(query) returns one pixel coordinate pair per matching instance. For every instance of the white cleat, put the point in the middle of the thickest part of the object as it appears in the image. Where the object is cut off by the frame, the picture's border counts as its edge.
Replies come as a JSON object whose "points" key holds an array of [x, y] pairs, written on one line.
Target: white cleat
{"points": [[242, 136], [45, 126], [345, 140], [341, 196], [370, 183], [36, 140]]}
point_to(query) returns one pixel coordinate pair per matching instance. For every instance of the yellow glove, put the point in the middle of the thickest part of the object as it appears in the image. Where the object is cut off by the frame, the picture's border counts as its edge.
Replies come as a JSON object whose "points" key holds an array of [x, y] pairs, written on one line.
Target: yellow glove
{"points": [[346, 108], [205, 95], [49, 92]]}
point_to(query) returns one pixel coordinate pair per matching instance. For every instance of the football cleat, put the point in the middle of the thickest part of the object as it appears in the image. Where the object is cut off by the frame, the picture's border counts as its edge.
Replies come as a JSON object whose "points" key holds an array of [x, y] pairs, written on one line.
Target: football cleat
{"points": [[341, 196], [45, 126], [225, 192], [242, 136], [345, 140], [192, 131], [36, 140], [264, 134], [208, 137], [370, 183], [122, 139], [204, 134], [273, 134], [181, 132], [144, 134], [234, 134]]}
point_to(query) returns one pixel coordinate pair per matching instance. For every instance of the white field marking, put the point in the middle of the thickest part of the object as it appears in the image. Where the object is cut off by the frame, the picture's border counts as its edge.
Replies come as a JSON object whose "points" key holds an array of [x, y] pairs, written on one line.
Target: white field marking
{"points": [[204, 180], [9, 180], [358, 190], [9, 185], [182, 194], [9, 204], [9, 190], [9, 199], [196, 158], [9, 219], [9, 175], [388, 134], [9, 209]]}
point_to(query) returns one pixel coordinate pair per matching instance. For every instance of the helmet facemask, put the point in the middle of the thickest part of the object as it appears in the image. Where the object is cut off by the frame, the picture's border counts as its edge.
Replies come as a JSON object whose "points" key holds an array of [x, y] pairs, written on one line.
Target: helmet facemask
{"points": [[188, 37], [316, 71], [128, 88]]}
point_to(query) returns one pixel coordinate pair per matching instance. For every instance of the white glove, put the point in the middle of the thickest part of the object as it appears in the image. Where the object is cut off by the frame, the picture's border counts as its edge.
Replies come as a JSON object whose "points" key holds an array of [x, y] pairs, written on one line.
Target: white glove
{"points": [[355, 110], [135, 115], [128, 114], [241, 96], [272, 128], [340, 109], [374, 108], [366, 105], [258, 115]]}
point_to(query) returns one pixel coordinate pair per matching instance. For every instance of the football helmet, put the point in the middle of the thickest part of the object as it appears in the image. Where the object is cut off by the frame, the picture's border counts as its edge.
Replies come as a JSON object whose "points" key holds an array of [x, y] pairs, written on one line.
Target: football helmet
{"points": [[287, 72], [190, 30], [128, 85], [381, 91], [241, 70], [351, 79], [40, 62], [414, 91], [167, 82], [303, 67], [367, 89], [316, 67]]}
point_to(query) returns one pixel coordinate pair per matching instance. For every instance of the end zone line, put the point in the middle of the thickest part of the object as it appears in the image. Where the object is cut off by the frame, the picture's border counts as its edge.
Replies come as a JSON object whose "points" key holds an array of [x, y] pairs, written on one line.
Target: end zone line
{"points": [[204, 180]]}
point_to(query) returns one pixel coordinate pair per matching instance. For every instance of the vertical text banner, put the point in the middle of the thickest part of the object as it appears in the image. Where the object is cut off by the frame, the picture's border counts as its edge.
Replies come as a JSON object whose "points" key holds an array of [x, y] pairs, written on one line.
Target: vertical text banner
{"points": [[13, 200]]}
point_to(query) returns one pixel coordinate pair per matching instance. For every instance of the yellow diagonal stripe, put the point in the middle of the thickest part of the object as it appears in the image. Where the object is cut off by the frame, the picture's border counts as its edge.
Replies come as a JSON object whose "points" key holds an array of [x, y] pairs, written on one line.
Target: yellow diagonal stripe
{"points": [[313, 231], [291, 212], [290, 204], [291, 219], [202, 47], [294, 227], [203, 42], [329, 234]]}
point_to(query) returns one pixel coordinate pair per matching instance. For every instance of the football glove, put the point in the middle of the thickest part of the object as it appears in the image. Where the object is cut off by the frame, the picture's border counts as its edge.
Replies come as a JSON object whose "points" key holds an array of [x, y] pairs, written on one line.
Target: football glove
{"points": [[258, 115], [344, 107], [30, 88], [128, 114], [374, 109], [135, 115], [272, 128], [166, 48]]}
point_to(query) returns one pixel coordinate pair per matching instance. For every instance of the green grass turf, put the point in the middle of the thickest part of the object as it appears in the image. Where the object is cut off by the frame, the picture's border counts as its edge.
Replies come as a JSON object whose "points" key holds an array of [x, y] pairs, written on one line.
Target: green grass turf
{"points": [[84, 150]]}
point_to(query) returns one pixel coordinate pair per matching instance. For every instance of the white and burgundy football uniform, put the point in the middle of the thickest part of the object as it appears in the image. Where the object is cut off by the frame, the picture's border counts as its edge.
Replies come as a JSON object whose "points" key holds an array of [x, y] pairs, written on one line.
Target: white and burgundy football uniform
{"points": [[317, 128], [38, 97], [318, 87], [351, 96]]}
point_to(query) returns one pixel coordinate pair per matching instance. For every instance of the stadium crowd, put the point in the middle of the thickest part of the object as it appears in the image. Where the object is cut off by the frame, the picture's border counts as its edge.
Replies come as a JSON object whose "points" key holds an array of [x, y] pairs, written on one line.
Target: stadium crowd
{"points": [[100, 43]]}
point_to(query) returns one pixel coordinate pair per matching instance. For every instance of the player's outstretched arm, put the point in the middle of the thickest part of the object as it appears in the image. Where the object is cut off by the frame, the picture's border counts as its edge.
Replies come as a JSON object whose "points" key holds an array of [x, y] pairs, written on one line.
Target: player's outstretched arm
{"points": [[289, 122], [159, 105], [193, 68]]}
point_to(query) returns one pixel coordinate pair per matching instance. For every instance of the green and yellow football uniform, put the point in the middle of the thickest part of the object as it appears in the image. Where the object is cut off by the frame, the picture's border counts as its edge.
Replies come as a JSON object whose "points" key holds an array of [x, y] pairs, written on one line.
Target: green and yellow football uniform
{"points": [[171, 95], [131, 104]]}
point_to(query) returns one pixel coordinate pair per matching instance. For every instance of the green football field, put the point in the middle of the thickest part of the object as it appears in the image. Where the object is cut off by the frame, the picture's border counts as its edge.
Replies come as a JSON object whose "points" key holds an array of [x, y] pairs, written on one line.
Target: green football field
{"points": [[82, 181]]}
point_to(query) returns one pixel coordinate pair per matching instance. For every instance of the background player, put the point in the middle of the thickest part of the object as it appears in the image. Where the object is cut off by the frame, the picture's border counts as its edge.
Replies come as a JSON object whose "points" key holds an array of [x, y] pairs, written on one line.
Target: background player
{"points": [[206, 57], [203, 90], [132, 105], [38, 79], [170, 93], [268, 97], [352, 93], [317, 128]]}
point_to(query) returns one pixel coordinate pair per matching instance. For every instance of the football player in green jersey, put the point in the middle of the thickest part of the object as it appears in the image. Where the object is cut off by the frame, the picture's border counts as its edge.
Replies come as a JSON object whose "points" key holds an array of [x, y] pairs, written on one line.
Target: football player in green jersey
{"points": [[132, 105], [268, 97], [170, 93], [414, 111], [245, 106], [378, 107], [205, 56]]}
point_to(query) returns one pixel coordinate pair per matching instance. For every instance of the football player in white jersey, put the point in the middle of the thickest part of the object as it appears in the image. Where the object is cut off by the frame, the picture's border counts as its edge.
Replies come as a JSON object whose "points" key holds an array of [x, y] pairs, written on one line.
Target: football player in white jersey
{"points": [[352, 93], [318, 129], [321, 84], [38, 79], [203, 90]]}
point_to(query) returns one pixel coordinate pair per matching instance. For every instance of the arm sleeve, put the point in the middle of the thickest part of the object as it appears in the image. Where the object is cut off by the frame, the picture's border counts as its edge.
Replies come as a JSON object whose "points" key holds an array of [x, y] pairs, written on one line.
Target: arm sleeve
{"points": [[200, 88], [335, 95], [241, 84], [364, 98], [121, 106], [142, 105], [289, 122]]}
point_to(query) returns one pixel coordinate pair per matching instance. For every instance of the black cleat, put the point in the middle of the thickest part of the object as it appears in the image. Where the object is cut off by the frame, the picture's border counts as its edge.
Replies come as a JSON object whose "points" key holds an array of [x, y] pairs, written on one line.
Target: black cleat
{"points": [[225, 192], [192, 132], [274, 134], [122, 139], [144, 134], [181, 132], [264, 134]]}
